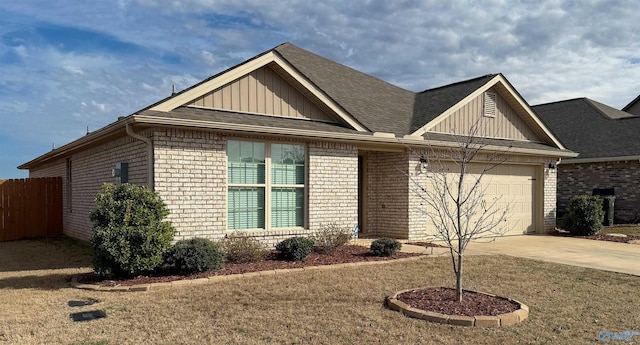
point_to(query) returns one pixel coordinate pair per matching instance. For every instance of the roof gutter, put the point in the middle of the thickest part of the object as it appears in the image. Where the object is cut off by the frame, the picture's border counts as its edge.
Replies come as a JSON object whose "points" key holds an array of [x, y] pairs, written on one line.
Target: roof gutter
{"points": [[600, 159], [84, 141], [150, 161]]}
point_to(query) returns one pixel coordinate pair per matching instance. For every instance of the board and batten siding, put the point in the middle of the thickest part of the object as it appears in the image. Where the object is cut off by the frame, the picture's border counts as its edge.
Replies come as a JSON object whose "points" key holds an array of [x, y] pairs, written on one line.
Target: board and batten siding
{"points": [[262, 91], [506, 124]]}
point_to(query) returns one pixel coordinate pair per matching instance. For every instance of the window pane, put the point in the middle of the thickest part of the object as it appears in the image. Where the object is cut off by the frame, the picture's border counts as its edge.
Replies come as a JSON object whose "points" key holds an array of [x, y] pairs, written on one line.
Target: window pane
{"points": [[287, 164], [246, 208], [287, 207], [246, 162]]}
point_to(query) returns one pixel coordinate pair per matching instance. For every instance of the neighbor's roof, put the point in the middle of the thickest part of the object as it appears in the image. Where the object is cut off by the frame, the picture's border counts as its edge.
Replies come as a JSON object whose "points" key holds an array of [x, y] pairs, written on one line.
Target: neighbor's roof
{"points": [[631, 104], [593, 129]]}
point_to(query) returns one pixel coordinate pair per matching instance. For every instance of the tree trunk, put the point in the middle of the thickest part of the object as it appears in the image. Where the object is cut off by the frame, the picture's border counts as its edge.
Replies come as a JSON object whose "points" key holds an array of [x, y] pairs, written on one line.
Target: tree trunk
{"points": [[459, 278]]}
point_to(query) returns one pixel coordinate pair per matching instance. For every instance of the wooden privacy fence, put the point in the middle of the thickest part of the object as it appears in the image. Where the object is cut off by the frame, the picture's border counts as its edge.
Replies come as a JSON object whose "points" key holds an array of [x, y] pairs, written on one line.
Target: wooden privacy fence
{"points": [[30, 208]]}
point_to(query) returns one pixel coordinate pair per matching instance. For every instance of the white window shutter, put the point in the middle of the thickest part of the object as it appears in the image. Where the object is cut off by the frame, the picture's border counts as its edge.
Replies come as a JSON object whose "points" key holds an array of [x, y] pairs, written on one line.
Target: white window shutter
{"points": [[490, 99]]}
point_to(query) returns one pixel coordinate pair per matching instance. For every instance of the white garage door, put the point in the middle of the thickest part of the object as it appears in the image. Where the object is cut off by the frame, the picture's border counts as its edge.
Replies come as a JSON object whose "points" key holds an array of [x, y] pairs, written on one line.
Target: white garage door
{"points": [[514, 185]]}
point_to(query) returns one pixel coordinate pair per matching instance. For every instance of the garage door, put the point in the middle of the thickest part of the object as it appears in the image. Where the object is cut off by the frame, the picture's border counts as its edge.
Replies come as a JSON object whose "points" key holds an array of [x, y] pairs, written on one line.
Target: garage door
{"points": [[514, 185]]}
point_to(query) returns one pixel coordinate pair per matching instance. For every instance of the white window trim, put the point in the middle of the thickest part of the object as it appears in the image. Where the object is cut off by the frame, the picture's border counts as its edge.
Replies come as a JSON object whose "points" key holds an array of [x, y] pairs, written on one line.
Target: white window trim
{"points": [[268, 186]]}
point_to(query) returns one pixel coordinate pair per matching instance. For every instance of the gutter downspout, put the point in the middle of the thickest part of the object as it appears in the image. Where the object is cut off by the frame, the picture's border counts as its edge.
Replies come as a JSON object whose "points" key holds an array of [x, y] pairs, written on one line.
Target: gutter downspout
{"points": [[132, 134]]}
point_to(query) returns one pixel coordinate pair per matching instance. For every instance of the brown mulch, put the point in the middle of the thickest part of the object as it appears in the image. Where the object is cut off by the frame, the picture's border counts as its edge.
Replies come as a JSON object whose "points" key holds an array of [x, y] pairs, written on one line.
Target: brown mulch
{"points": [[598, 237], [443, 301], [344, 254]]}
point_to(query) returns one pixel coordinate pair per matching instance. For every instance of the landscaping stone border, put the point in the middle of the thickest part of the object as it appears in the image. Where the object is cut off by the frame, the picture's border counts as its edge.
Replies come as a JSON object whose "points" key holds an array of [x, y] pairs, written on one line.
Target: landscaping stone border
{"points": [[215, 279], [501, 320]]}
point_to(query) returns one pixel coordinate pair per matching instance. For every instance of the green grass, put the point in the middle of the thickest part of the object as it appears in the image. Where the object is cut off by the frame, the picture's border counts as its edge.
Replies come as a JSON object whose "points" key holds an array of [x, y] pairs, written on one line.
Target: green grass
{"points": [[632, 229], [569, 305]]}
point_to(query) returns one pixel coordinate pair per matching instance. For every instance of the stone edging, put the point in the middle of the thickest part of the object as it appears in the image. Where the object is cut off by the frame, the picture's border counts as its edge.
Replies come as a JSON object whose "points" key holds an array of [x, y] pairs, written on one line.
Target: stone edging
{"points": [[215, 279], [501, 320]]}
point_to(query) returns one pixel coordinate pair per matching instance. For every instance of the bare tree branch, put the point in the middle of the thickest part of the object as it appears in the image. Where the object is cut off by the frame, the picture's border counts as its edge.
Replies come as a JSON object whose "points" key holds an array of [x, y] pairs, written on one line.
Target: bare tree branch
{"points": [[455, 195]]}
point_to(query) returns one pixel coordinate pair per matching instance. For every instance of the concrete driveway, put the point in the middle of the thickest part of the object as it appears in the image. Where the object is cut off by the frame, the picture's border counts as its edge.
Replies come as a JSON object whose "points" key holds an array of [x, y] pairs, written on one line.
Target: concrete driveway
{"points": [[602, 255]]}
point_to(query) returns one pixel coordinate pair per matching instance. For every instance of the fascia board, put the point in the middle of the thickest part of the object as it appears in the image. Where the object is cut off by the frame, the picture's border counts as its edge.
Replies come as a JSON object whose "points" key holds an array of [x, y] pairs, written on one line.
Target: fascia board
{"points": [[221, 80]]}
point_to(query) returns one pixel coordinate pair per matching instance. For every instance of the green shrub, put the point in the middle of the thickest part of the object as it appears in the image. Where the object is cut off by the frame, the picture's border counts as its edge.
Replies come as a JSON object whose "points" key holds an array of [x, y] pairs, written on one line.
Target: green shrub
{"points": [[130, 235], [330, 237], [195, 255], [295, 248], [385, 247], [241, 248], [584, 216]]}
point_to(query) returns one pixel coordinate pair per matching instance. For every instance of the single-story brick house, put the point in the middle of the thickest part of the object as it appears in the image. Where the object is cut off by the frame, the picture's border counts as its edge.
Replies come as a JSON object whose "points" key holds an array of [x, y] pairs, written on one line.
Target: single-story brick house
{"points": [[607, 140], [288, 141]]}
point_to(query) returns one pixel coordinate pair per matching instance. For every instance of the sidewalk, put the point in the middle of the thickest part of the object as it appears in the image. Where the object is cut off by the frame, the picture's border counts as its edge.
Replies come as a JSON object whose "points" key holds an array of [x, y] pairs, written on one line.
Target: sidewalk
{"points": [[602, 255]]}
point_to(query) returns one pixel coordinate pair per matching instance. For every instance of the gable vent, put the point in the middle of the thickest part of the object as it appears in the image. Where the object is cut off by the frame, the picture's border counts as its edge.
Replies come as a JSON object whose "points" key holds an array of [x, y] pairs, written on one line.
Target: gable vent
{"points": [[490, 99]]}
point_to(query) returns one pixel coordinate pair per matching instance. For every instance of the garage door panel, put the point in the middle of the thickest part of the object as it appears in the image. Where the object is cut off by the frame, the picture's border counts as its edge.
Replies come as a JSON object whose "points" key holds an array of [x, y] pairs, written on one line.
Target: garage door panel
{"points": [[513, 185]]}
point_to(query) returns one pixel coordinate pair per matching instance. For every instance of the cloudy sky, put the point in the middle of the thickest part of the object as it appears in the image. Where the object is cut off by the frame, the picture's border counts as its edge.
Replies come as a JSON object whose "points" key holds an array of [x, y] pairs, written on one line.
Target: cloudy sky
{"points": [[66, 65]]}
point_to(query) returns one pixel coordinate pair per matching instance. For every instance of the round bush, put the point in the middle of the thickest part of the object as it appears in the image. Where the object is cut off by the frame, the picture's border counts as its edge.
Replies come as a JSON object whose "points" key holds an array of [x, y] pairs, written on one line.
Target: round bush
{"points": [[130, 235], [330, 237], [385, 247], [584, 216], [195, 255], [241, 248], [295, 248]]}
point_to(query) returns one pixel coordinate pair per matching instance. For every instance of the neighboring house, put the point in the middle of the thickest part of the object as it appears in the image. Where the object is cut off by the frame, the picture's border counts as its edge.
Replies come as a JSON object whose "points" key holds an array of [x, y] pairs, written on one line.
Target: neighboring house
{"points": [[633, 107], [607, 140], [288, 141]]}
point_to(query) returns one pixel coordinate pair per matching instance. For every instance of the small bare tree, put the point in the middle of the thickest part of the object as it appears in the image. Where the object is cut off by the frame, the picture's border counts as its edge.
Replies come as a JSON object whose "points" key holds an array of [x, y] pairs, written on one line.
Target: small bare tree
{"points": [[455, 201]]}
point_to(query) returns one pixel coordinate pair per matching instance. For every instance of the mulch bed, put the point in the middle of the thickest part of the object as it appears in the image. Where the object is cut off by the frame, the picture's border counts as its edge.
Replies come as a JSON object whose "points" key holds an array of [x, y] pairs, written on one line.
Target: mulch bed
{"points": [[598, 237], [443, 301], [344, 254]]}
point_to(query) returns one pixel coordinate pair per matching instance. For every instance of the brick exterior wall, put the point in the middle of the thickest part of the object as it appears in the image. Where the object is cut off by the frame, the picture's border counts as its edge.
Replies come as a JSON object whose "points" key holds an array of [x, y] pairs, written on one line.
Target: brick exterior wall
{"points": [[582, 178], [190, 173], [191, 177], [333, 184], [89, 170], [418, 220], [387, 195], [549, 198]]}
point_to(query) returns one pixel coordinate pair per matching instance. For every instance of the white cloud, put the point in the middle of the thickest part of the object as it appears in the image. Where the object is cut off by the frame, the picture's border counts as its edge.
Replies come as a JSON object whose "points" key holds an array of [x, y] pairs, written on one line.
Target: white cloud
{"points": [[73, 69], [100, 106], [549, 50]]}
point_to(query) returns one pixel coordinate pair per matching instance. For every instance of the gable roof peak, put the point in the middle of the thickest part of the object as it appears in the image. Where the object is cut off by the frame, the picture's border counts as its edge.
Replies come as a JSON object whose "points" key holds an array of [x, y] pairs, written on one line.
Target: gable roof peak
{"points": [[486, 76]]}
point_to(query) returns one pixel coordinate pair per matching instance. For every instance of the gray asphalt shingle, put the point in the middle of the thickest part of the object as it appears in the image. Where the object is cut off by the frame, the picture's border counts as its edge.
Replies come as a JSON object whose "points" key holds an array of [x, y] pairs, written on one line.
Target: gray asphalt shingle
{"points": [[593, 129]]}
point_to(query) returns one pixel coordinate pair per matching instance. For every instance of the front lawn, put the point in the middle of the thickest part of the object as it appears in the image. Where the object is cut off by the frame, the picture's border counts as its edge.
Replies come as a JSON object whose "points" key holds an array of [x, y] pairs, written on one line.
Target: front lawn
{"points": [[631, 229], [569, 305]]}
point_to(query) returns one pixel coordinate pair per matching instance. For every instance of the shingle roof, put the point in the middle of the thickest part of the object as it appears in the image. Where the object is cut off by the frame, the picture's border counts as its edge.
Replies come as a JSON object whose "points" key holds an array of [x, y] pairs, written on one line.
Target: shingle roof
{"points": [[593, 129], [433, 102], [229, 117], [376, 104], [506, 143]]}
